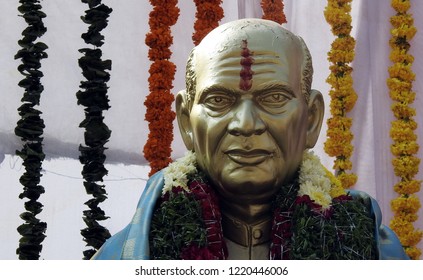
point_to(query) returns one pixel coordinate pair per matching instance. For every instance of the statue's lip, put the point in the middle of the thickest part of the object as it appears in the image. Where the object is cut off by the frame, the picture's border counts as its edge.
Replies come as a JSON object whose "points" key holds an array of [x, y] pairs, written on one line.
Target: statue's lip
{"points": [[248, 157]]}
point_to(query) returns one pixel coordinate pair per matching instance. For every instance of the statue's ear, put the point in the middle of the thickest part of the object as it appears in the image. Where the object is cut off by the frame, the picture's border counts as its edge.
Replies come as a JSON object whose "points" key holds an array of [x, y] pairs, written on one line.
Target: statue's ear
{"points": [[316, 111], [182, 114]]}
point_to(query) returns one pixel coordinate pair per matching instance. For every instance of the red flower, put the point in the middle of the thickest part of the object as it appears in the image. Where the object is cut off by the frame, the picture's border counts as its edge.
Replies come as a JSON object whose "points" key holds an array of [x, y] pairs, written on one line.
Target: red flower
{"points": [[342, 198], [307, 200], [210, 212], [193, 252], [281, 234]]}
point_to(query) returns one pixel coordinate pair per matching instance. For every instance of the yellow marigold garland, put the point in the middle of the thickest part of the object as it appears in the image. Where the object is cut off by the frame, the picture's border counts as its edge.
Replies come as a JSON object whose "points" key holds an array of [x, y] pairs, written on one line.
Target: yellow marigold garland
{"points": [[159, 114], [404, 146], [343, 96], [208, 15], [273, 10]]}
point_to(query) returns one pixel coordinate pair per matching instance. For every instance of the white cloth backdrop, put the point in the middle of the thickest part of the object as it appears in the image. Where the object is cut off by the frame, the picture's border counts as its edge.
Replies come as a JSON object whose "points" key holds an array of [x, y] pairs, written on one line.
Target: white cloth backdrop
{"points": [[124, 45]]}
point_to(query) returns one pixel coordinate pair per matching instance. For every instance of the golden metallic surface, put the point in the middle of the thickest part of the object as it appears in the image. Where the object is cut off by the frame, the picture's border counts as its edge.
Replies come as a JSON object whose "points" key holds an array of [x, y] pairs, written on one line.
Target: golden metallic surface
{"points": [[249, 113]]}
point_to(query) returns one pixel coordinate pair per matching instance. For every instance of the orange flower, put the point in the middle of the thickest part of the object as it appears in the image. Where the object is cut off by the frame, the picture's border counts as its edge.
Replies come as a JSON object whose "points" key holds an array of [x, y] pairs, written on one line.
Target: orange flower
{"points": [[159, 102], [273, 10], [208, 15]]}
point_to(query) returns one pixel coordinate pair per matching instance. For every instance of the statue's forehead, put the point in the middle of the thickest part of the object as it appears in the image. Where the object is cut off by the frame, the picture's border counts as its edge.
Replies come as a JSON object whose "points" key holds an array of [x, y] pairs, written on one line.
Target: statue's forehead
{"points": [[267, 54], [224, 46]]}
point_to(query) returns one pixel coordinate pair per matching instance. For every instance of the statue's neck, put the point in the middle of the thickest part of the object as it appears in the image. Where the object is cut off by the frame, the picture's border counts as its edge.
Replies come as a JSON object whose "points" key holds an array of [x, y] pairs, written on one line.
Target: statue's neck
{"points": [[246, 225], [245, 212]]}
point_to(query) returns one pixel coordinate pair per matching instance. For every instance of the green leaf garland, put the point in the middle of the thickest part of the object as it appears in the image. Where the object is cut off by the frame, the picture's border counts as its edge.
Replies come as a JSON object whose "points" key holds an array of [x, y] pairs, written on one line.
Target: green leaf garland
{"points": [[93, 96], [30, 129]]}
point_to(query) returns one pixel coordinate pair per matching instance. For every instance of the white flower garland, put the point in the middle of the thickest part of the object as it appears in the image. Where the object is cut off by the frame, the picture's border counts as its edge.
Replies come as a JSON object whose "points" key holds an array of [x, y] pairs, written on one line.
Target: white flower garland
{"points": [[176, 173], [313, 180], [313, 177]]}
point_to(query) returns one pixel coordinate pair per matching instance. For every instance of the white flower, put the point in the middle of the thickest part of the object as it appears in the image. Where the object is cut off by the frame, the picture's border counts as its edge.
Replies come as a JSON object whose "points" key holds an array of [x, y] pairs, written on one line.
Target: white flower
{"points": [[313, 180], [176, 173]]}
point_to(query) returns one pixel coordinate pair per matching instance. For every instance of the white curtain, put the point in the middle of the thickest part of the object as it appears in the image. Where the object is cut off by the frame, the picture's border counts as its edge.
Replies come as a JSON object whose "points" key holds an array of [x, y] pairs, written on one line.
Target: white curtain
{"points": [[124, 45]]}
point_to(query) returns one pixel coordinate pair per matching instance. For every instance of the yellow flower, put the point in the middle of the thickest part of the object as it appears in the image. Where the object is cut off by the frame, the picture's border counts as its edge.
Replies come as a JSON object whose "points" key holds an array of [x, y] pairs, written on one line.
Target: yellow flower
{"points": [[401, 71], [408, 187], [401, 226], [341, 69], [342, 123], [403, 131], [413, 252], [336, 189], [347, 180], [406, 97], [401, 6], [342, 164], [406, 166], [404, 148], [401, 19], [402, 110], [401, 56], [343, 56], [346, 43], [342, 93], [338, 148], [404, 31], [398, 85], [411, 239], [405, 204], [349, 102]]}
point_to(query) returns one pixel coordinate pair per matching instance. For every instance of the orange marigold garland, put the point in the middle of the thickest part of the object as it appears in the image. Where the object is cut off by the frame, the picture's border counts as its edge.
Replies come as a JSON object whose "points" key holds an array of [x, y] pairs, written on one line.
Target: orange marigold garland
{"points": [[404, 146], [159, 114], [208, 15], [343, 96], [273, 10]]}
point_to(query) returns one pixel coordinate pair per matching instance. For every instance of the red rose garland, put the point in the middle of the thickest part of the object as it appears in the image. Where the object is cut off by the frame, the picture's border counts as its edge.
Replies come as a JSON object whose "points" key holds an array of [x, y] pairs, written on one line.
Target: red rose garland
{"points": [[208, 15], [159, 112], [216, 248], [273, 10]]}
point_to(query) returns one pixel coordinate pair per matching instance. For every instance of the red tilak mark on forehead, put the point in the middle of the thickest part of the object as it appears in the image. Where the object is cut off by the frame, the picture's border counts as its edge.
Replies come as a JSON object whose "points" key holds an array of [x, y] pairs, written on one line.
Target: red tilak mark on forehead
{"points": [[246, 73]]}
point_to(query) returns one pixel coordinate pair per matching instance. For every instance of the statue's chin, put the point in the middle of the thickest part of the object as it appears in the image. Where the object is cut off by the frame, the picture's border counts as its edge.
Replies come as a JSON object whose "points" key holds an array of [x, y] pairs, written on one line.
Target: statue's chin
{"points": [[242, 188]]}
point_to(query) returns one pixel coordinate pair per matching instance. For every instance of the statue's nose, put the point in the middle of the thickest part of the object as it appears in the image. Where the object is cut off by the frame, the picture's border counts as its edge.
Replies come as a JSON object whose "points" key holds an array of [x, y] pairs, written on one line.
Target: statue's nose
{"points": [[246, 120]]}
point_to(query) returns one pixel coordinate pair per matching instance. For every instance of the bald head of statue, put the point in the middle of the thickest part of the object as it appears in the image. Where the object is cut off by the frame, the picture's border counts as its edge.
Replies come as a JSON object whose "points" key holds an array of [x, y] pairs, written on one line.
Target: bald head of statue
{"points": [[248, 112]]}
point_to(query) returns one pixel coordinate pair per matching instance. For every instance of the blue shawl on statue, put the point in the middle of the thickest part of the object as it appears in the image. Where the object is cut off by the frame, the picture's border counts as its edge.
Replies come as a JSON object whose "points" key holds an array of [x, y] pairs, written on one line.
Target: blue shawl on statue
{"points": [[132, 243]]}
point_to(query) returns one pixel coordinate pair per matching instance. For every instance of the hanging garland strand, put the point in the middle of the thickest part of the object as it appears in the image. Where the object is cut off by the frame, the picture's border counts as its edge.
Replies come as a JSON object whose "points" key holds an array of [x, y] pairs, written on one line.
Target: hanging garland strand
{"points": [[208, 15], [404, 146], [93, 96], [30, 129], [343, 96], [159, 114], [273, 10]]}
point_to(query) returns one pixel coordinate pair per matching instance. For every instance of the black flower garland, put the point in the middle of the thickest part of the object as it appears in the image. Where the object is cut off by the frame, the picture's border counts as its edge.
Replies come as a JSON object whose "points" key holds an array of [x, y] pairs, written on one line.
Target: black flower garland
{"points": [[93, 97], [30, 129]]}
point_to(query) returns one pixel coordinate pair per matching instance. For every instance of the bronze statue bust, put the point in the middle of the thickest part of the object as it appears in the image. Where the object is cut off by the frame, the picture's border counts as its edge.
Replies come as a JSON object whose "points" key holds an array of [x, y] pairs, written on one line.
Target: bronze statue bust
{"points": [[248, 115]]}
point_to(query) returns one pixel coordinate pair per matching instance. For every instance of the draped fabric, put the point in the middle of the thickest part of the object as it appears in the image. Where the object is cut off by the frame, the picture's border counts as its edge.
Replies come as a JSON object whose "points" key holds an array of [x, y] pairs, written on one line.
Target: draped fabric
{"points": [[124, 45]]}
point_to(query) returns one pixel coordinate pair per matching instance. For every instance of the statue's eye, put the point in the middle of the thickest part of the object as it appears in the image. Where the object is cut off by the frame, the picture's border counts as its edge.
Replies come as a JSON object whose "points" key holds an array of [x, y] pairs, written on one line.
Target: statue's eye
{"points": [[218, 102], [274, 99]]}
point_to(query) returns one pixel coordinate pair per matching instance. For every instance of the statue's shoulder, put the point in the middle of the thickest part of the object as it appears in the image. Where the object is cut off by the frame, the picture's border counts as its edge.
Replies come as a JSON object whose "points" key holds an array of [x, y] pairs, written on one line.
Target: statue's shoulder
{"points": [[132, 241]]}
